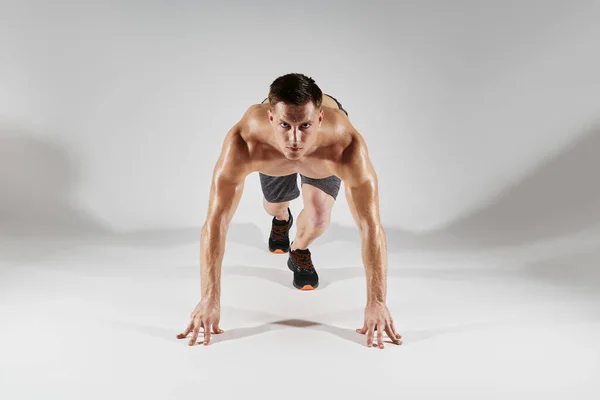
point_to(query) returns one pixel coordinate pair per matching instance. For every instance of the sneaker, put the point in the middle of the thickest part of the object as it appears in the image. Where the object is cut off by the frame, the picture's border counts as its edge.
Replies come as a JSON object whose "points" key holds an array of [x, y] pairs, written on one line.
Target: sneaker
{"points": [[305, 275], [279, 239]]}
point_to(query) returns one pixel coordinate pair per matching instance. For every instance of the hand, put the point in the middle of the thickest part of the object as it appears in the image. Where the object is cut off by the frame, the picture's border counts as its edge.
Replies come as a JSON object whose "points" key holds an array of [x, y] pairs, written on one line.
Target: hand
{"points": [[206, 314], [378, 318]]}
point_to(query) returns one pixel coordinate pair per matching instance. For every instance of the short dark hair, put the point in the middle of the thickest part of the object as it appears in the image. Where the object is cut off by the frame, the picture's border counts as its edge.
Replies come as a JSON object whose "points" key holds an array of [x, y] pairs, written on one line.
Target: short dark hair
{"points": [[295, 89]]}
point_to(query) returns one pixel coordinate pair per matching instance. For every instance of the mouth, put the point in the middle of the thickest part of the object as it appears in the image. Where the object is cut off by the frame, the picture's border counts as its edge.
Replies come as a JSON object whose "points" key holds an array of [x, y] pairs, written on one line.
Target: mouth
{"points": [[295, 148]]}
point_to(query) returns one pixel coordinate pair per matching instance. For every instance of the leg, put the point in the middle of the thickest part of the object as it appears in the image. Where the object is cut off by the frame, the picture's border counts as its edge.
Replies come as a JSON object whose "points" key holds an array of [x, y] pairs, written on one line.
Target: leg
{"points": [[319, 195], [277, 210], [278, 191], [314, 217]]}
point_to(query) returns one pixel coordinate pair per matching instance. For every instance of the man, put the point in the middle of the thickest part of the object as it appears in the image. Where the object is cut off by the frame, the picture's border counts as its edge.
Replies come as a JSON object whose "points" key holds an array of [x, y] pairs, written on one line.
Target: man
{"points": [[297, 129]]}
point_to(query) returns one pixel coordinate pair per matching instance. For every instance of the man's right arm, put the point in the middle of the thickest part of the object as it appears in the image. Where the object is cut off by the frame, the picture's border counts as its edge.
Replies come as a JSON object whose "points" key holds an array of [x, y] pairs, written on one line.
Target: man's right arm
{"points": [[226, 189], [229, 173]]}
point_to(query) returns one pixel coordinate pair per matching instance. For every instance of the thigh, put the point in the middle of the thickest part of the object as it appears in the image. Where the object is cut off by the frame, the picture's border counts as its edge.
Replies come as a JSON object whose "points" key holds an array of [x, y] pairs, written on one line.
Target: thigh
{"points": [[319, 195], [329, 186], [279, 189]]}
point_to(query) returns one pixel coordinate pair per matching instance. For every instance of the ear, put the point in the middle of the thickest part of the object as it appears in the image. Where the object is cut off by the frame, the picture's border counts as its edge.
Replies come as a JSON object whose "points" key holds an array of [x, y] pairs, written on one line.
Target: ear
{"points": [[270, 114], [321, 116]]}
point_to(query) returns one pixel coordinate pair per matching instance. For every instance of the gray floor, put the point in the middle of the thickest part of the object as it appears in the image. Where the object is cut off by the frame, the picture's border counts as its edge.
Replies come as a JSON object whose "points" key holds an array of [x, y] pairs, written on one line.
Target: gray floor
{"points": [[84, 316]]}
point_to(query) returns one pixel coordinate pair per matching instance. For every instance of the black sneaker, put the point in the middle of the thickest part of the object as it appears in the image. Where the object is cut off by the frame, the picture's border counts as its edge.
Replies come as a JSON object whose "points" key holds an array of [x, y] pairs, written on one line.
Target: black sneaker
{"points": [[279, 239], [305, 275]]}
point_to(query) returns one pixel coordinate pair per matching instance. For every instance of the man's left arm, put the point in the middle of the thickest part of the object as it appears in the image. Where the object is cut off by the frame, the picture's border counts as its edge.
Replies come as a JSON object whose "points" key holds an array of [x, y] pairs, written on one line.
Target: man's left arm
{"points": [[362, 194]]}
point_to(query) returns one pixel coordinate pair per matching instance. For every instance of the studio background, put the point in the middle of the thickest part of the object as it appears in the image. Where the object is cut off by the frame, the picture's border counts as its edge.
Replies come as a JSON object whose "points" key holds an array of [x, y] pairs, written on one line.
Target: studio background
{"points": [[482, 122], [112, 114]]}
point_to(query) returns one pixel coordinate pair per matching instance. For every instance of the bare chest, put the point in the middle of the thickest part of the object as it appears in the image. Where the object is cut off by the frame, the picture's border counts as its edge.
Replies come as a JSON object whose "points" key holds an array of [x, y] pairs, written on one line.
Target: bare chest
{"points": [[272, 162]]}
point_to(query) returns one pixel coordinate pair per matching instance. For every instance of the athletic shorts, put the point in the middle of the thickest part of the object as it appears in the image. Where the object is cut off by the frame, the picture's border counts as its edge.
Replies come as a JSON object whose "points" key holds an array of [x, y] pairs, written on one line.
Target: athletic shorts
{"points": [[280, 189]]}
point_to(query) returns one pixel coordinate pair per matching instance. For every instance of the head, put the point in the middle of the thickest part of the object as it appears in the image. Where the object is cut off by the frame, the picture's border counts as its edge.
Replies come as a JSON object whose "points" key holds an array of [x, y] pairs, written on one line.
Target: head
{"points": [[295, 113]]}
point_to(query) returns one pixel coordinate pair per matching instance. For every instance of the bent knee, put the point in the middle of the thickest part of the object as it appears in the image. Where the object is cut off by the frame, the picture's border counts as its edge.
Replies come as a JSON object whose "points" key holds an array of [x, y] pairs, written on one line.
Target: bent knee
{"points": [[320, 217]]}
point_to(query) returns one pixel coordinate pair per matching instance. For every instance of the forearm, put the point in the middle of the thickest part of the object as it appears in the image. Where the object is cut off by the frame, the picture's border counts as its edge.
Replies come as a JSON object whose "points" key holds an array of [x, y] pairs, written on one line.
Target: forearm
{"points": [[212, 249], [374, 255], [224, 202]]}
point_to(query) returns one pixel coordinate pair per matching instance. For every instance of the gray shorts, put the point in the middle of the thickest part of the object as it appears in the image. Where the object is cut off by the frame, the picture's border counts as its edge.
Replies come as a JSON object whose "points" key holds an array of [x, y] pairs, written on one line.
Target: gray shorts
{"points": [[279, 189]]}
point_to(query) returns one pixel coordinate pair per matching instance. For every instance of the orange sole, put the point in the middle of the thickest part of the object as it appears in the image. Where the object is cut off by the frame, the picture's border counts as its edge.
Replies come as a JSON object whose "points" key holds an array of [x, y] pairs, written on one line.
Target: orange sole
{"points": [[278, 251], [307, 287]]}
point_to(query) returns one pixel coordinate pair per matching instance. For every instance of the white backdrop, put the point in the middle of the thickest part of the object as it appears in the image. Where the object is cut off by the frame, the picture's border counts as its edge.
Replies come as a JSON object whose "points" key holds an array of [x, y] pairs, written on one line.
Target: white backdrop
{"points": [[477, 114], [482, 123]]}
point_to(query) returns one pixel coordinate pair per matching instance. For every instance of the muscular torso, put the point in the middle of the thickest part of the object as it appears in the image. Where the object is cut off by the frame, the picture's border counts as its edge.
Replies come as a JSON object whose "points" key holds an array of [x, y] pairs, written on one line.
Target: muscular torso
{"points": [[324, 159]]}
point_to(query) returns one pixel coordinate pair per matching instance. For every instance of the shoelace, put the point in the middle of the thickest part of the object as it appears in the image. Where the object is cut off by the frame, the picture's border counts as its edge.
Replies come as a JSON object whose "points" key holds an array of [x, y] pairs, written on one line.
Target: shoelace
{"points": [[279, 232], [303, 260]]}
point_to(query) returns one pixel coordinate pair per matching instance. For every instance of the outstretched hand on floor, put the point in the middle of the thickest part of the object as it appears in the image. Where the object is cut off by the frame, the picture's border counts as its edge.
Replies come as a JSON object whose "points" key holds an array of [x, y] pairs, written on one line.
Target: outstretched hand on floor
{"points": [[378, 318], [206, 315]]}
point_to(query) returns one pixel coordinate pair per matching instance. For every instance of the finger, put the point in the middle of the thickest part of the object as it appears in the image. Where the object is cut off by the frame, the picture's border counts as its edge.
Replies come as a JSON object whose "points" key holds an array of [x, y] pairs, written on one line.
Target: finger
{"points": [[370, 335], [206, 332], [216, 329], [362, 330], [187, 330], [380, 328], [391, 334], [397, 335], [195, 335]]}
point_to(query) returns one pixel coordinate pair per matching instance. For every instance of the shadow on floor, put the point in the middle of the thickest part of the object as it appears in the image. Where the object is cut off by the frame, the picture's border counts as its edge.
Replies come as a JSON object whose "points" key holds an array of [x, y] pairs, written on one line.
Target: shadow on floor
{"points": [[346, 334], [328, 276]]}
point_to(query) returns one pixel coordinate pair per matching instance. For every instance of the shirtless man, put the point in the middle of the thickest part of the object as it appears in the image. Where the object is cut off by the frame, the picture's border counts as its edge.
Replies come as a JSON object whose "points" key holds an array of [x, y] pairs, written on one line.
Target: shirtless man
{"points": [[296, 130]]}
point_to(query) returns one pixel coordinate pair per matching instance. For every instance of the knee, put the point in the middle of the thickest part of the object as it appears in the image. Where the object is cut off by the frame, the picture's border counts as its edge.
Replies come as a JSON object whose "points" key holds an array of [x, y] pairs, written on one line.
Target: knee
{"points": [[275, 208], [320, 217], [317, 206]]}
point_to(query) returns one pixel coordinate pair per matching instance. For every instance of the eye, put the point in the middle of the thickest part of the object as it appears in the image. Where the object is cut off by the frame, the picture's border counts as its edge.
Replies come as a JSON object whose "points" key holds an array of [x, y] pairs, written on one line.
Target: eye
{"points": [[283, 125], [305, 125]]}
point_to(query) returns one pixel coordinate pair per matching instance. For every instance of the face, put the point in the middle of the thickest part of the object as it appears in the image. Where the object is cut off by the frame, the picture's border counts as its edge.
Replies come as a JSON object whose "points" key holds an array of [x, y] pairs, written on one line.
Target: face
{"points": [[295, 127]]}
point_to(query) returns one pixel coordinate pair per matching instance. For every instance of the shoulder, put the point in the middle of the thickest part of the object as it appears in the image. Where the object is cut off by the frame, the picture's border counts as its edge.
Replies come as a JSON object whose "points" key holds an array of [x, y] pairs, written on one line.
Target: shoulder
{"points": [[235, 156], [241, 133], [355, 147], [355, 164], [251, 123]]}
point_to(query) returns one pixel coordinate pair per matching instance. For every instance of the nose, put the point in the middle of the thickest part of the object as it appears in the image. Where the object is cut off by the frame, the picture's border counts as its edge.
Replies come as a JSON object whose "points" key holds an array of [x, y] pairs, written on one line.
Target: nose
{"points": [[295, 135]]}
